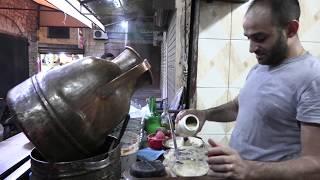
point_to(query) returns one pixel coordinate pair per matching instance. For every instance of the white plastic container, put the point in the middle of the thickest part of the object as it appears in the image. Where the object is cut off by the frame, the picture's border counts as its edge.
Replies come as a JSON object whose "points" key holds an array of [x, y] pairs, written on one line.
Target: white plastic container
{"points": [[188, 126]]}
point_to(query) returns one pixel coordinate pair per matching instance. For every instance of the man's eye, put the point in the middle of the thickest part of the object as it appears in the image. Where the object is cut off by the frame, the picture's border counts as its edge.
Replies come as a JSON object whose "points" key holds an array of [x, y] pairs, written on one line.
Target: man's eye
{"points": [[259, 38]]}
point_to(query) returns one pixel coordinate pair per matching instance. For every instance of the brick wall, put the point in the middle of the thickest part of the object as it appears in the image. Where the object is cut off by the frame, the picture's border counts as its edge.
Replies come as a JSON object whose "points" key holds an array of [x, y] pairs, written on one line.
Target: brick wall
{"points": [[92, 47], [21, 23], [43, 37]]}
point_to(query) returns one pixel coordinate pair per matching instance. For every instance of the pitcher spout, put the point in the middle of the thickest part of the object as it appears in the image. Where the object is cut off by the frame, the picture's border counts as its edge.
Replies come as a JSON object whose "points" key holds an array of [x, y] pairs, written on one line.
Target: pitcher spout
{"points": [[127, 59]]}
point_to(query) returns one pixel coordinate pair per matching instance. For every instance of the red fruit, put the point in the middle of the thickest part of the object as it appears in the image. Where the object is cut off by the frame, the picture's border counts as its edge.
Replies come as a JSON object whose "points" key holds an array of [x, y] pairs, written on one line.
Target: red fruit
{"points": [[160, 135]]}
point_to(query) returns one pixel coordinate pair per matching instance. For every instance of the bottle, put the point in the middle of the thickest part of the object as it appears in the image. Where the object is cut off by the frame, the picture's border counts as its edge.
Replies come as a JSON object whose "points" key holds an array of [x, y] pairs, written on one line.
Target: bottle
{"points": [[153, 122], [165, 116]]}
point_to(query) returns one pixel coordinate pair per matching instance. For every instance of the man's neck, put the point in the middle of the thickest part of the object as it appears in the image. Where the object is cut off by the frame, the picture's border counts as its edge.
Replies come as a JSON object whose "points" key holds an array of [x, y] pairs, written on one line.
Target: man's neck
{"points": [[292, 53], [295, 48]]}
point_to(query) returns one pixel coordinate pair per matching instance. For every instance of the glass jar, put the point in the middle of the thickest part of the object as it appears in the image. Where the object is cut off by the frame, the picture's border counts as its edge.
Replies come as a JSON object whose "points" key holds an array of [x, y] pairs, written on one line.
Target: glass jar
{"points": [[190, 162]]}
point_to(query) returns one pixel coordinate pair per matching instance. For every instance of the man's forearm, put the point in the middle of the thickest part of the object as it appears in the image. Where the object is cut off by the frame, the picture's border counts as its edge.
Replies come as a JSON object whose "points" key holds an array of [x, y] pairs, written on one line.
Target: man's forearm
{"points": [[224, 113], [304, 168]]}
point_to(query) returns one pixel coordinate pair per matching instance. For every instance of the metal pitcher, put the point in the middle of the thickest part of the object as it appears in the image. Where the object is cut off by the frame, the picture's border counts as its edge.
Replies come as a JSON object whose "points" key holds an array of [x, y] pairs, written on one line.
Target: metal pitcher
{"points": [[68, 111]]}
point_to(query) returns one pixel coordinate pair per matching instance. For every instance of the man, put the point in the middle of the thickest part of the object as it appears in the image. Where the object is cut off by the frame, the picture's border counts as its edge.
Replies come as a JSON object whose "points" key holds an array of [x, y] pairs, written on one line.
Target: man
{"points": [[277, 112]]}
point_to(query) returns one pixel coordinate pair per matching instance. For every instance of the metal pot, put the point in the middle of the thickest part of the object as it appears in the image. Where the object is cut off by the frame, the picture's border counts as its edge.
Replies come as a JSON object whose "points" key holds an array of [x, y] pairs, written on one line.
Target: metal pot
{"points": [[105, 165], [68, 111]]}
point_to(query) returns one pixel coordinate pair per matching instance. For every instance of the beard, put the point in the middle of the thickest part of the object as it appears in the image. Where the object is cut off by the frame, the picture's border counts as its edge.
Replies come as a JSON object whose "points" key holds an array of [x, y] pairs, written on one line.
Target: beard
{"points": [[278, 52]]}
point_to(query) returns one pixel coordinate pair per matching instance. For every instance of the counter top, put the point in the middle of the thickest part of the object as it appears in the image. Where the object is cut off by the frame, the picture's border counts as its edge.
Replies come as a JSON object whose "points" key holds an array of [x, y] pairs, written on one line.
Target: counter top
{"points": [[177, 178], [128, 177], [14, 152]]}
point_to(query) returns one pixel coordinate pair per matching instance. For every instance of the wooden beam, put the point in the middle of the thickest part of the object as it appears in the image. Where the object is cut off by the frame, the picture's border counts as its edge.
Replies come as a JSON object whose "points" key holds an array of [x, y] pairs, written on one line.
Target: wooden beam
{"points": [[193, 55]]}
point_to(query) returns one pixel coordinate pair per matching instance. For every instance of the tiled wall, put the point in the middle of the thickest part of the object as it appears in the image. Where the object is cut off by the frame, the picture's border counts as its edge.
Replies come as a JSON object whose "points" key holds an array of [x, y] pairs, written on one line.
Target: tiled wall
{"points": [[224, 59]]}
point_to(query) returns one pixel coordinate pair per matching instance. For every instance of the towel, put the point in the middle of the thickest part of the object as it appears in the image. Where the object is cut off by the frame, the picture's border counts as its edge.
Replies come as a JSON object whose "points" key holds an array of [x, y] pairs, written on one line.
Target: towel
{"points": [[149, 154]]}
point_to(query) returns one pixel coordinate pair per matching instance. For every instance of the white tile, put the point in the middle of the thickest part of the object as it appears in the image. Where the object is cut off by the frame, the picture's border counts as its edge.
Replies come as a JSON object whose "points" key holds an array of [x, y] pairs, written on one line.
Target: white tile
{"points": [[310, 20], [215, 20], [213, 63], [241, 62], [229, 127], [238, 12], [211, 97], [213, 128], [229, 137], [312, 47], [233, 93]]}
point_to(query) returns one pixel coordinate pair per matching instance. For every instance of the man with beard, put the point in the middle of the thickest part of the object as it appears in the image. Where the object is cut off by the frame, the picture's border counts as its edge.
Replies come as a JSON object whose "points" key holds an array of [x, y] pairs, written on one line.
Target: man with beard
{"points": [[277, 112]]}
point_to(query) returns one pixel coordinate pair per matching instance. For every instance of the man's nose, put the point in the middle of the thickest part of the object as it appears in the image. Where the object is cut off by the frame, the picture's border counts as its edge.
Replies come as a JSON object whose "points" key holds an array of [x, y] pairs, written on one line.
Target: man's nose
{"points": [[253, 47]]}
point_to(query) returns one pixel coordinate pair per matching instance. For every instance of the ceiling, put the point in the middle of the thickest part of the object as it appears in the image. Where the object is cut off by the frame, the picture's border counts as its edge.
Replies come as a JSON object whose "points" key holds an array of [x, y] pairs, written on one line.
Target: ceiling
{"points": [[111, 12], [107, 12], [144, 19]]}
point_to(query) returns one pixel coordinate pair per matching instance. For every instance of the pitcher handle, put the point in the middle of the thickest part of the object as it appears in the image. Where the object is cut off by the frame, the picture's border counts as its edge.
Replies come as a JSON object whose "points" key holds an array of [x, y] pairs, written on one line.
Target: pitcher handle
{"points": [[125, 77]]}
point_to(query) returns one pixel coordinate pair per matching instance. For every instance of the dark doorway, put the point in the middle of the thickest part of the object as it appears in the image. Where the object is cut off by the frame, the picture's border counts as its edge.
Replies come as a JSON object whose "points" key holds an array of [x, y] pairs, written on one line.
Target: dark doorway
{"points": [[14, 66]]}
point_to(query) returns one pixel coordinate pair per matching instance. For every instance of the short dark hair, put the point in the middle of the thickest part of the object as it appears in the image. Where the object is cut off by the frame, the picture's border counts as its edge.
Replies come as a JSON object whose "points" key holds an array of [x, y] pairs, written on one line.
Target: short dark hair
{"points": [[283, 11]]}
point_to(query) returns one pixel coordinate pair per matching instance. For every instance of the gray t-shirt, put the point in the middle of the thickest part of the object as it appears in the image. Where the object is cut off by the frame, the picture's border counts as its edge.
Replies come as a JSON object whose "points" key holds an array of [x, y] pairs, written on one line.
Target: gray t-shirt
{"points": [[272, 104]]}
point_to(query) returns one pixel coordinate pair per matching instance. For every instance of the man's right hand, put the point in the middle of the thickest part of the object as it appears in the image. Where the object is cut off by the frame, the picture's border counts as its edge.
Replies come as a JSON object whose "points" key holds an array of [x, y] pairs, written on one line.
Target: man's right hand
{"points": [[199, 113]]}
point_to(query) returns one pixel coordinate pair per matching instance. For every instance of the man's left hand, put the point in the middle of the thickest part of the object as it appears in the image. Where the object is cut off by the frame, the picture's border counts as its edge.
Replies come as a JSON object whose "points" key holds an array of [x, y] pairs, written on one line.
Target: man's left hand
{"points": [[225, 162]]}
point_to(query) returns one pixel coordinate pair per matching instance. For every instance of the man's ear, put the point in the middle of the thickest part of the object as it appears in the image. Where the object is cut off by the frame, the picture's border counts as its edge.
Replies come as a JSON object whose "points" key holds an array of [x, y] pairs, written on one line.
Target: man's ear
{"points": [[292, 28]]}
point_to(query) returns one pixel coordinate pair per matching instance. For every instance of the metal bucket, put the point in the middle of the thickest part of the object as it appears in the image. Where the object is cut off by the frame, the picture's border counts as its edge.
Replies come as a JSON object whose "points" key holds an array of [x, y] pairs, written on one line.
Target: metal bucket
{"points": [[67, 112], [103, 166]]}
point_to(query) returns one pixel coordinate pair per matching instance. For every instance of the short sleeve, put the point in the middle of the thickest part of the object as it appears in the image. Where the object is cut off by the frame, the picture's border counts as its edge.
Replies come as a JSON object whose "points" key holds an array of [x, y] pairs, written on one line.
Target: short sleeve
{"points": [[252, 69], [308, 109]]}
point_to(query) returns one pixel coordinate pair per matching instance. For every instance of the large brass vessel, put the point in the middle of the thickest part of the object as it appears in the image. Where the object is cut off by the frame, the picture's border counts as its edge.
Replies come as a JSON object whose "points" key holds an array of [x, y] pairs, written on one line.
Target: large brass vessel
{"points": [[68, 111]]}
